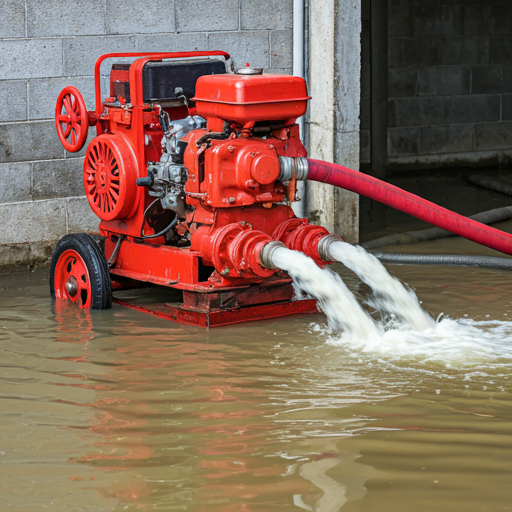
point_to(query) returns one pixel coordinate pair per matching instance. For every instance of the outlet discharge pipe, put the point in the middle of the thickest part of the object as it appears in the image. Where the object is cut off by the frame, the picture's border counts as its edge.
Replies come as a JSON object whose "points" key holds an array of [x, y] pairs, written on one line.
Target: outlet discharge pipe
{"points": [[343, 177]]}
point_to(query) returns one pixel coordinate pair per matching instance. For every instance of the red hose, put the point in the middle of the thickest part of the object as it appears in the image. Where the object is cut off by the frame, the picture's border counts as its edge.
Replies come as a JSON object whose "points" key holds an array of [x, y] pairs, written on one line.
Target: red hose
{"points": [[395, 197]]}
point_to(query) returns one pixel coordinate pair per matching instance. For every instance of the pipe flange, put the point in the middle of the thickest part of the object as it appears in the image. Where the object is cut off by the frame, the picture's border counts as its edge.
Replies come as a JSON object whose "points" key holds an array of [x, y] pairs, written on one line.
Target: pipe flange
{"points": [[324, 244], [267, 252]]}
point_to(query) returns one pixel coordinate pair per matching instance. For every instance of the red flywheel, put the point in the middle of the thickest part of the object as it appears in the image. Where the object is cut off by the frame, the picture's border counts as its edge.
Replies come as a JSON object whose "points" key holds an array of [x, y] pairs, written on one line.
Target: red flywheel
{"points": [[110, 173]]}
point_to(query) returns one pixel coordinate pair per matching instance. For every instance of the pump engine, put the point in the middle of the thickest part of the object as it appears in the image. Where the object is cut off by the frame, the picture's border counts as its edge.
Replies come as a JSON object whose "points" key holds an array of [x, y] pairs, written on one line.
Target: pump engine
{"points": [[192, 172]]}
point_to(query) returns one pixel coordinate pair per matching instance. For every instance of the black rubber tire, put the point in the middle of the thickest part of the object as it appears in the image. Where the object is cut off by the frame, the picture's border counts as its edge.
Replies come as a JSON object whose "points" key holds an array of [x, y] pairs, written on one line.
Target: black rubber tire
{"points": [[87, 247]]}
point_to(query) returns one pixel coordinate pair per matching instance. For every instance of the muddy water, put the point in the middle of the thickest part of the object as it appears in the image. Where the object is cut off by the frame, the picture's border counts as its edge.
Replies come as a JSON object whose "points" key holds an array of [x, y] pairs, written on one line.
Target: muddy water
{"points": [[118, 410]]}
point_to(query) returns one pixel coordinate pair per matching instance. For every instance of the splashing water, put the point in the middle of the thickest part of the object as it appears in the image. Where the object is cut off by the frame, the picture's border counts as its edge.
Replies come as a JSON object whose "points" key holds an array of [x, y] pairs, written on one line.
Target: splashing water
{"points": [[390, 293], [334, 298], [453, 343]]}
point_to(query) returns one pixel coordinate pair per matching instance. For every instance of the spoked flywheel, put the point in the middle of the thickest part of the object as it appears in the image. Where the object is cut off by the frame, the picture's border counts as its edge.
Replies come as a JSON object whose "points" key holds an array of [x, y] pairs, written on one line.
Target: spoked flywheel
{"points": [[110, 173], [79, 273]]}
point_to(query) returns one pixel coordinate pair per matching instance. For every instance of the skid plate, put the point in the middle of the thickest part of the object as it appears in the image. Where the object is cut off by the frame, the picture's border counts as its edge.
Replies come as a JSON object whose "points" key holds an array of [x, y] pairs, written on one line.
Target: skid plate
{"points": [[215, 318]]}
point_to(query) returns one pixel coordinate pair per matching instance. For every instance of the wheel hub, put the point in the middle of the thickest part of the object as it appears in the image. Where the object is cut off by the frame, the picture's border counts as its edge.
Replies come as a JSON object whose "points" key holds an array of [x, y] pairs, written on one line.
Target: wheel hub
{"points": [[71, 286]]}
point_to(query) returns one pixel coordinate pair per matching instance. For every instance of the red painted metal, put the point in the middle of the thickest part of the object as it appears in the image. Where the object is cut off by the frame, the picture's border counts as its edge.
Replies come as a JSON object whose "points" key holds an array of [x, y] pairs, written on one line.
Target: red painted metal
{"points": [[395, 197], [179, 313], [110, 170], [233, 250], [71, 119], [71, 268], [250, 98], [299, 235]]}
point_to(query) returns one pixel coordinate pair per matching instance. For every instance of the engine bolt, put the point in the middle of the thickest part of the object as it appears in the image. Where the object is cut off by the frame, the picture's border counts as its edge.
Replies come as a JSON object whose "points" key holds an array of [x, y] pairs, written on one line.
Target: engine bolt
{"points": [[231, 200], [225, 271], [231, 149]]}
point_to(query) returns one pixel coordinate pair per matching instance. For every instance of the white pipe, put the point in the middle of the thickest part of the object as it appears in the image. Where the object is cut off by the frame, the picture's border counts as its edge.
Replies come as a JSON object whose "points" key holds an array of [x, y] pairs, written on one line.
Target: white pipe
{"points": [[298, 70]]}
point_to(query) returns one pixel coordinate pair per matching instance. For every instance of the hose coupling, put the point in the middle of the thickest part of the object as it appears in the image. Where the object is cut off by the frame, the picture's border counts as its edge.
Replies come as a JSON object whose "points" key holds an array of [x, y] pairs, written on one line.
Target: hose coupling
{"points": [[324, 245], [267, 252], [293, 168]]}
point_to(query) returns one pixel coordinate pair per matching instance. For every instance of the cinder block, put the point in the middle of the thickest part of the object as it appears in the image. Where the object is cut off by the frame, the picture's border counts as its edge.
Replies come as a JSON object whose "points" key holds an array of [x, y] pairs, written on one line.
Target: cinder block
{"points": [[12, 14], [444, 81], [15, 182], [464, 50], [500, 49], [13, 100], [81, 218], [281, 51], [414, 52], [21, 142], [58, 18], [493, 136], [139, 17], [403, 141], [506, 107], [453, 138], [33, 221], [41, 253], [437, 19], [485, 18], [418, 111], [402, 82], [172, 43], [251, 46], [438, 50], [81, 153], [400, 19], [14, 257], [272, 14], [279, 71], [491, 79], [30, 58], [195, 16], [474, 108], [80, 54], [43, 94], [57, 178]]}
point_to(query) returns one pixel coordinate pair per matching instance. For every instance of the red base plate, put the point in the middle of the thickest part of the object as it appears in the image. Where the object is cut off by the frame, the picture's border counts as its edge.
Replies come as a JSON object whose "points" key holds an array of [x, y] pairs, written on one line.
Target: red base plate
{"points": [[215, 318]]}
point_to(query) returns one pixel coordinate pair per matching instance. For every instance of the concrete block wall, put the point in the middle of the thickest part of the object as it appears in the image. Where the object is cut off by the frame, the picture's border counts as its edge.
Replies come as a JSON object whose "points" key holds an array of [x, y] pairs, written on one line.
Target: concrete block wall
{"points": [[450, 101], [48, 44]]}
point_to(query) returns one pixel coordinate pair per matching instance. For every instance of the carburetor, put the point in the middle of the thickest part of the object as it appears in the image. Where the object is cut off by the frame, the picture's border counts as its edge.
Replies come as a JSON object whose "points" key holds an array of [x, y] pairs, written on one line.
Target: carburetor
{"points": [[166, 179]]}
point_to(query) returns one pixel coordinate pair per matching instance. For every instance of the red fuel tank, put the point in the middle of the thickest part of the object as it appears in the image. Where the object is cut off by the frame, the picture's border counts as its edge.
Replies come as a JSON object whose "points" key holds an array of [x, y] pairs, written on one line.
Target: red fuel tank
{"points": [[243, 98]]}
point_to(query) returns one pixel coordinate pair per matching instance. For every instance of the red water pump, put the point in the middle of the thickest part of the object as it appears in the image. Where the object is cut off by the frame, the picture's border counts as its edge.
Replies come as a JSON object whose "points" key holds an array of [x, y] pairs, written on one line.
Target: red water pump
{"points": [[192, 173]]}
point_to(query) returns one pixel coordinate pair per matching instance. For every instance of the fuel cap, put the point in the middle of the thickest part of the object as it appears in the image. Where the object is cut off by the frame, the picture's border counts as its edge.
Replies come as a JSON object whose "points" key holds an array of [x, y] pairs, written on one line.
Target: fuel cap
{"points": [[249, 71]]}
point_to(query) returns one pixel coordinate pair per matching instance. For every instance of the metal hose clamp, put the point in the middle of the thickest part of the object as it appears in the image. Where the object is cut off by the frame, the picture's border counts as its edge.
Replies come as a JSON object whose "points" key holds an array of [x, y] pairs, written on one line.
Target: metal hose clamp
{"points": [[325, 244], [267, 252], [287, 168]]}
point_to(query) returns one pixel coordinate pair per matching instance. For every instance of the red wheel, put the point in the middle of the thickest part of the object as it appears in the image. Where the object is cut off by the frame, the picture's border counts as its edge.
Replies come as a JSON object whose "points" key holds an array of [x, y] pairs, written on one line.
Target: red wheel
{"points": [[79, 273], [71, 119], [110, 174]]}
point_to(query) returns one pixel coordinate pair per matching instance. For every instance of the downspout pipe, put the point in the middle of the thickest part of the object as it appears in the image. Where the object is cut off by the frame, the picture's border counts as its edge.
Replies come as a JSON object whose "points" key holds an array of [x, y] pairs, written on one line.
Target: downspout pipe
{"points": [[388, 194], [298, 70]]}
